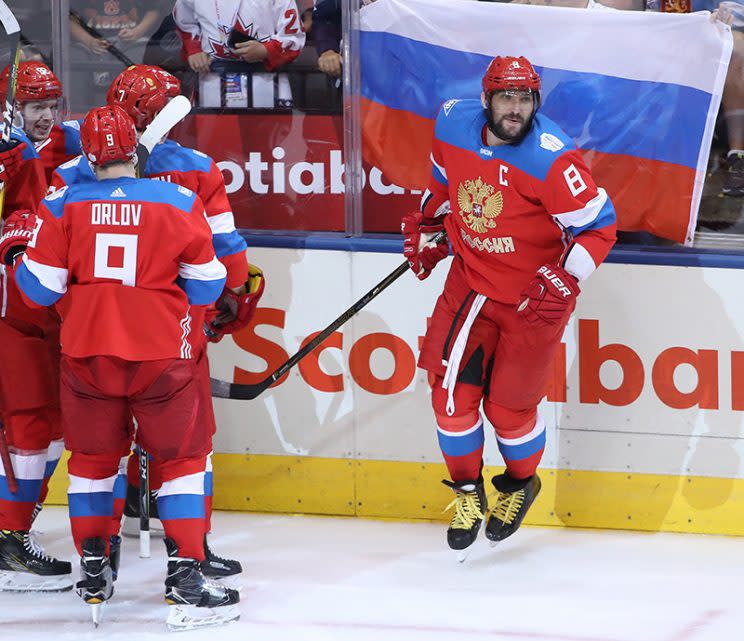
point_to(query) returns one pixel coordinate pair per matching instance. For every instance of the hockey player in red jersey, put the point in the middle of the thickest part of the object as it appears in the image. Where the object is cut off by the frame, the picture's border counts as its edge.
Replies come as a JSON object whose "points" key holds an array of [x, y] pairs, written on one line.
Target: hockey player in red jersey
{"points": [[29, 396], [142, 91], [38, 92], [527, 224], [121, 249]]}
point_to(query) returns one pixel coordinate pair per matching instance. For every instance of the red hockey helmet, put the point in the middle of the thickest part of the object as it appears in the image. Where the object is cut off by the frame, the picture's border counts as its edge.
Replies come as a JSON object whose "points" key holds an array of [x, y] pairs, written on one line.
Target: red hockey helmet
{"points": [[510, 73], [35, 82], [172, 84], [140, 93], [107, 135]]}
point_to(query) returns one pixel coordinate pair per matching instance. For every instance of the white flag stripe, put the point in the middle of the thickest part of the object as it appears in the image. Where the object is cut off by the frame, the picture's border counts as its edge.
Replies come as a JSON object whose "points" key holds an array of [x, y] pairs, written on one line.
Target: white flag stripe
{"points": [[627, 44]]}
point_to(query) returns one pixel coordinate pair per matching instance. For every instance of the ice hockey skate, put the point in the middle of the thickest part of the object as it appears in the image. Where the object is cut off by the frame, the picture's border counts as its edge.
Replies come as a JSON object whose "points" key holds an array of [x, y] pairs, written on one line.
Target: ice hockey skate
{"points": [[510, 505], [217, 567], [96, 585], [196, 601], [25, 567], [114, 555], [470, 505]]}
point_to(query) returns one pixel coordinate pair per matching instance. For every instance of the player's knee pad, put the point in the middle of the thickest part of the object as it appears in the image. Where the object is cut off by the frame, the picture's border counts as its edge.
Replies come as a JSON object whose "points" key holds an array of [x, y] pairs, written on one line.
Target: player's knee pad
{"points": [[507, 422], [31, 430], [177, 468], [94, 466], [467, 406]]}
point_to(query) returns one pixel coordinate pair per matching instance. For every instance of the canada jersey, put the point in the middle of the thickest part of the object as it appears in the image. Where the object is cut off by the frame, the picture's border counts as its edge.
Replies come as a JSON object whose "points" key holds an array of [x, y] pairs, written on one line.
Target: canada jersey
{"points": [[62, 145], [132, 256], [514, 207], [196, 171], [206, 26]]}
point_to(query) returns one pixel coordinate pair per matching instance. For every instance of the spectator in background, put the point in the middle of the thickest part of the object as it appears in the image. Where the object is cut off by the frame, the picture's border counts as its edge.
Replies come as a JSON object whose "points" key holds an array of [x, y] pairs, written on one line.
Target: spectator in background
{"points": [[327, 36], [127, 24], [254, 31], [98, 25]]}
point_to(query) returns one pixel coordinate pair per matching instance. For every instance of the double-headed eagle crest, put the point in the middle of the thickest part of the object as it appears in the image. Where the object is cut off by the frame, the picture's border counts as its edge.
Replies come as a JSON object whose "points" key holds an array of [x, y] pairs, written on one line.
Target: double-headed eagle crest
{"points": [[479, 205]]}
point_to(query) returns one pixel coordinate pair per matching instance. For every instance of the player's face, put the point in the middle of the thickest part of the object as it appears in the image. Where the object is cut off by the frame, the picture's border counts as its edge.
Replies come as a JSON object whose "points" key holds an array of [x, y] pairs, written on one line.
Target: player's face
{"points": [[38, 118], [511, 111]]}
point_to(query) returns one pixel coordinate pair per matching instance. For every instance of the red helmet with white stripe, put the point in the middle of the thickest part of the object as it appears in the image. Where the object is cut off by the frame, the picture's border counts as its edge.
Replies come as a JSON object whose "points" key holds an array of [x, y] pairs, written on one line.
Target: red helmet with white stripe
{"points": [[510, 73], [107, 135], [36, 81], [140, 92]]}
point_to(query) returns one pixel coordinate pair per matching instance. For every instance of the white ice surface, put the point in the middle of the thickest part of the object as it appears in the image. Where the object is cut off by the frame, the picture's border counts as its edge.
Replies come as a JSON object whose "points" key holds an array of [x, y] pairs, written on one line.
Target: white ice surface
{"points": [[334, 579]]}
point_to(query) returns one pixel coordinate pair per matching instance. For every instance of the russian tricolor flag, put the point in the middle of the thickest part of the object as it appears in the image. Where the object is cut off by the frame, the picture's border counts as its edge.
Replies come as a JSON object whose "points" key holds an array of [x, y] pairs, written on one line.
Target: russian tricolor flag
{"points": [[638, 92]]}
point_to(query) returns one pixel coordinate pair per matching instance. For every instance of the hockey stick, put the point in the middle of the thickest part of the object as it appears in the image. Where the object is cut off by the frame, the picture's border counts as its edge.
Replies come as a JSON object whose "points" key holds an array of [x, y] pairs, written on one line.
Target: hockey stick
{"points": [[13, 30], [168, 117], [92, 31], [242, 392], [144, 504], [7, 462]]}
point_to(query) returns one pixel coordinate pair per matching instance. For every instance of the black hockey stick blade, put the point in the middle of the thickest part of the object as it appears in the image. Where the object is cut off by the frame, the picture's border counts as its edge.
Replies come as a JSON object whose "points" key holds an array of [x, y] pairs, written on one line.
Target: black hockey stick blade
{"points": [[244, 392], [13, 30]]}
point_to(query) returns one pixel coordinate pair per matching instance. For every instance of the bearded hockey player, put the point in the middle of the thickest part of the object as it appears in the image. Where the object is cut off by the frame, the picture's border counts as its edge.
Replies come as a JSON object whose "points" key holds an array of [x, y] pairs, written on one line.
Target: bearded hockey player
{"points": [[38, 94], [123, 248], [527, 224], [142, 91]]}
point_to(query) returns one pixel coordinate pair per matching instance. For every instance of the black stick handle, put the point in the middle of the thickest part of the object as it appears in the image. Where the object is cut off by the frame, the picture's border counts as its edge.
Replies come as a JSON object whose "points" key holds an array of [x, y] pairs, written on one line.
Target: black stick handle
{"points": [[112, 49]]}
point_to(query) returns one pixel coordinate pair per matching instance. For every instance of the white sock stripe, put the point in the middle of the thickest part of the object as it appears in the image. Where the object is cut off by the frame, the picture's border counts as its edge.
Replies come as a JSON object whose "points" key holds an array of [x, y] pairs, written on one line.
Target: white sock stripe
{"points": [[189, 484], [27, 467], [123, 462], [532, 434], [470, 430], [55, 450], [82, 485]]}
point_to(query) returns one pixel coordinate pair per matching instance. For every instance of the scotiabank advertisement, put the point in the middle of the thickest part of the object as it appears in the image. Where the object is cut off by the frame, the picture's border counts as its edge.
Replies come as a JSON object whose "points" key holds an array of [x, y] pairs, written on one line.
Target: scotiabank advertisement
{"points": [[286, 172], [649, 378]]}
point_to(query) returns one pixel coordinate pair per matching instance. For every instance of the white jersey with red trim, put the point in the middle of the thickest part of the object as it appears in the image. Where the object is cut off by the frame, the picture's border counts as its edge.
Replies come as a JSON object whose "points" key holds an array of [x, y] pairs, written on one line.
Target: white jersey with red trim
{"points": [[206, 25]]}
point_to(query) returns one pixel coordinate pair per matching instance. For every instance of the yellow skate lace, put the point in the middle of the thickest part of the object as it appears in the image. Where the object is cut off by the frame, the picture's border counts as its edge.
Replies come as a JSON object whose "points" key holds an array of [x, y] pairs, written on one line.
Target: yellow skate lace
{"points": [[467, 510], [506, 506]]}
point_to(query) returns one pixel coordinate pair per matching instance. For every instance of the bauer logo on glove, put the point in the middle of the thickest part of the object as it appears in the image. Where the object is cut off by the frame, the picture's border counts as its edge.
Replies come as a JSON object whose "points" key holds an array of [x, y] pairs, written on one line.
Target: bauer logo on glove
{"points": [[549, 297], [235, 310], [19, 230]]}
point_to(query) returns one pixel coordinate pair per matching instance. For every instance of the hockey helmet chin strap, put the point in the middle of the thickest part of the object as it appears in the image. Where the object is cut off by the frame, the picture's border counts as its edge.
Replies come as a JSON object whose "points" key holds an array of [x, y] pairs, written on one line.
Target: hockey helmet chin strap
{"points": [[492, 125]]}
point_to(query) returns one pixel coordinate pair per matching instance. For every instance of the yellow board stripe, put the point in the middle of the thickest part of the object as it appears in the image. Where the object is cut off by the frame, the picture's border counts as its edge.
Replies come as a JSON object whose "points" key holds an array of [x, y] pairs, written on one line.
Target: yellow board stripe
{"points": [[403, 490]]}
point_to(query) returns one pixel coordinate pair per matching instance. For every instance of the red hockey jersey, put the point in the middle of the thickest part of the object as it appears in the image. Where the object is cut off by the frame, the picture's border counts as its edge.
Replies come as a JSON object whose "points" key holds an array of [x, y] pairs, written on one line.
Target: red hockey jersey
{"points": [[62, 145], [515, 207], [132, 256]]}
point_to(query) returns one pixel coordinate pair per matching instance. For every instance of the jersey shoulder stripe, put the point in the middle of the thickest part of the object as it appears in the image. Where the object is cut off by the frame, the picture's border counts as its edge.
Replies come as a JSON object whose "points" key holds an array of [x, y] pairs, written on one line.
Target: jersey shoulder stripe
{"points": [[169, 156]]}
